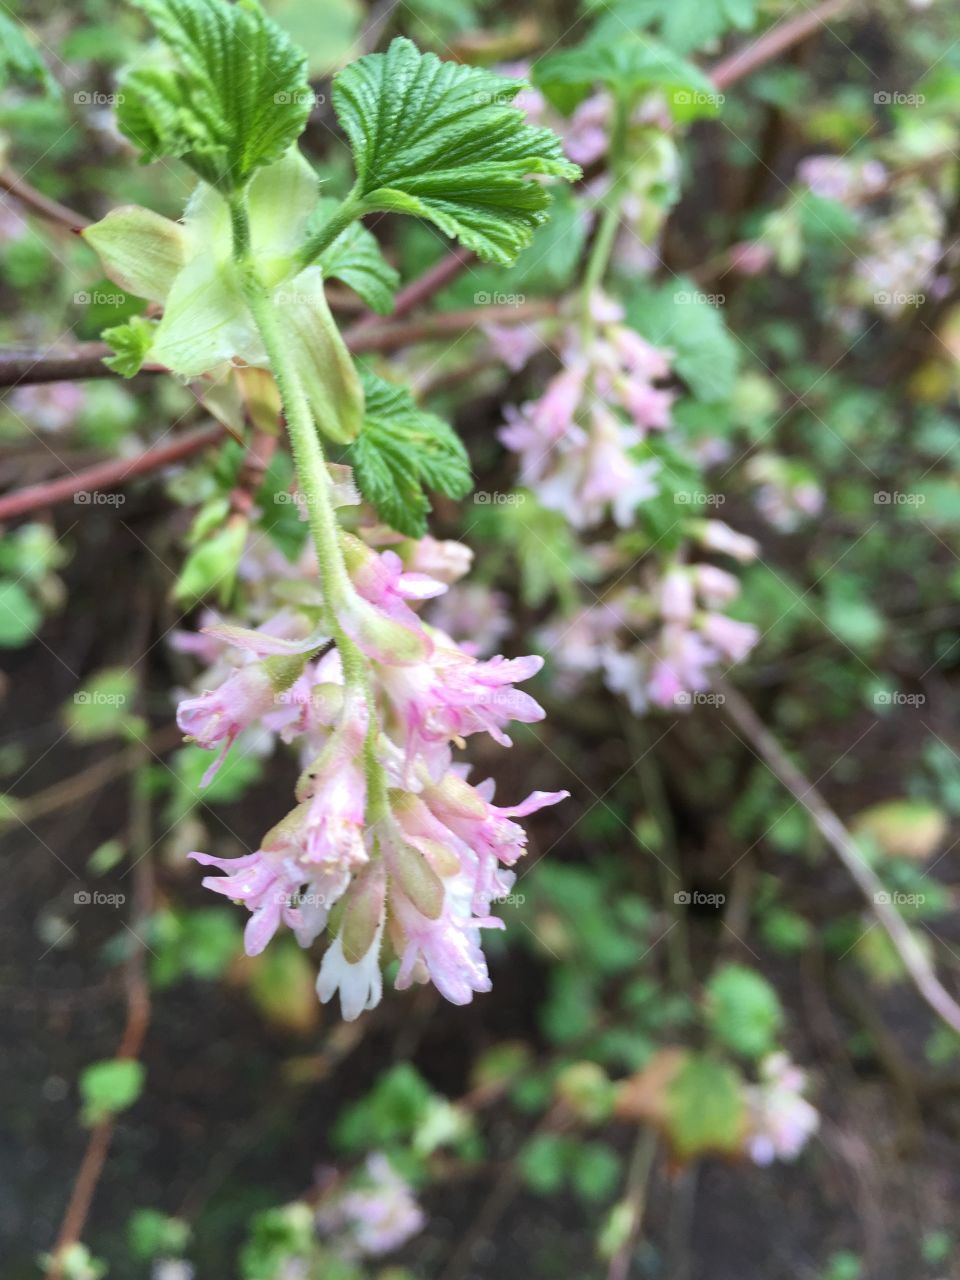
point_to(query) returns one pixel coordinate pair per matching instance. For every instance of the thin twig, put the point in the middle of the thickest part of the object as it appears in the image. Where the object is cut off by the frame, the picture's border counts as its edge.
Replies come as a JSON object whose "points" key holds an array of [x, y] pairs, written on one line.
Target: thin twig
{"points": [[138, 1008], [843, 844], [107, 475], [638, 1178], [37, 202], [777, 40]]}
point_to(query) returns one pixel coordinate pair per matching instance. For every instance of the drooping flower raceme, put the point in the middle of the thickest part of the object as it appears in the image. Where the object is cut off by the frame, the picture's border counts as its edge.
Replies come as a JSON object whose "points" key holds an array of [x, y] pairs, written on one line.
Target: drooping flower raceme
{"points": [[386, 832], [581, 443]]}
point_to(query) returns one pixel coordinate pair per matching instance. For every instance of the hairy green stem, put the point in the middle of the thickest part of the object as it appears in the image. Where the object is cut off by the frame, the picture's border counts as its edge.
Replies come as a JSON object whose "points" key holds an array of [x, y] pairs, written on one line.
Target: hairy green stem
{"points": [[602, 249], [313, 479], [351, 209]]}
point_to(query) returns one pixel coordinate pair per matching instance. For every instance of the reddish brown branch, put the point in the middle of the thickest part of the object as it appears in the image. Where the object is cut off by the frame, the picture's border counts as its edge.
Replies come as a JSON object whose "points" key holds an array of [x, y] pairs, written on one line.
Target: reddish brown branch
{"points": [[37, 202], [422, 289], [107, 475], [777, 40]]}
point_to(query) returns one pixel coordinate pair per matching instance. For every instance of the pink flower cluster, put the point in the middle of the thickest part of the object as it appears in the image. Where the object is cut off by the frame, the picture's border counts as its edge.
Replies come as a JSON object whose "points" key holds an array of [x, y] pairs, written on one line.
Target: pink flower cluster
{"points": [[388, 845], [780, 1120], [657, 647], [580, 443], [372, 1218]]}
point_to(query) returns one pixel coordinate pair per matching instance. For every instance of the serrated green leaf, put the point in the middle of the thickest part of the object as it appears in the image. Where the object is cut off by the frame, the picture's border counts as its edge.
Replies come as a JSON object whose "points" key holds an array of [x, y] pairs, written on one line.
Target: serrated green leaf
{"points": [[443, 141], [403, 450], [704, 1108], [19, 60], [677, 317], [355, 258], [685, 25], [628, 65], [743, 1010], [235, 100]]}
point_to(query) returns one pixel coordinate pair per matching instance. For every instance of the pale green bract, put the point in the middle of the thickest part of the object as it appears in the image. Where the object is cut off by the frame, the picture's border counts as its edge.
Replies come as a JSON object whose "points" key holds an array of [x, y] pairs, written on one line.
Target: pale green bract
{"points": [[206, 324], [235, 99], [443, 141]]}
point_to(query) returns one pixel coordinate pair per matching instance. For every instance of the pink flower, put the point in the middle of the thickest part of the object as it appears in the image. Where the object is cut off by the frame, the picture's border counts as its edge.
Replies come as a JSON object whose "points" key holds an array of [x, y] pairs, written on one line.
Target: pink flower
{"points": [[222, 714], [266, 882], [733, 639], [781, 1121], [443, 560], [453, 695], [378, 1216], [334, 789]]}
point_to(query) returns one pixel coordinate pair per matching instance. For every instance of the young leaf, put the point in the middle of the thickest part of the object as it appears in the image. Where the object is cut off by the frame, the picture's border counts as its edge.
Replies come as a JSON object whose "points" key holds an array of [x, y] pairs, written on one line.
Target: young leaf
{"points": [[130, 343], [355, 258], [401, 451], [19, 60], [685, 25], [110, 1086], [443, 141], [235, 100], [743, 1010], [628, 65]]}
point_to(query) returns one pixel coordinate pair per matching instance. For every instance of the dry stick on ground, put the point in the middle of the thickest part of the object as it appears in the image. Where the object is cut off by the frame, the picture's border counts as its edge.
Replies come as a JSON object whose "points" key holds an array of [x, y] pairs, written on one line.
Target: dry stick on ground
{"points": [[843, 844]]}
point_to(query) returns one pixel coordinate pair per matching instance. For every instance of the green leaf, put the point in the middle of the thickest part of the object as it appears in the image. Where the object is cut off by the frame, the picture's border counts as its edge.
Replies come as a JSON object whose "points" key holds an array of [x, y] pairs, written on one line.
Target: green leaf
{"points": [[401, 451], [109, 1087], [355, 258], [596, 1171], [685, 25], [152, 1234], [102, 708], [19, 60], [130, 342], [19, 616], [629, 65], [677, 316], [235, 100], [704, 1108], [443, 141], [544, 1161], [743, 1010]]}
